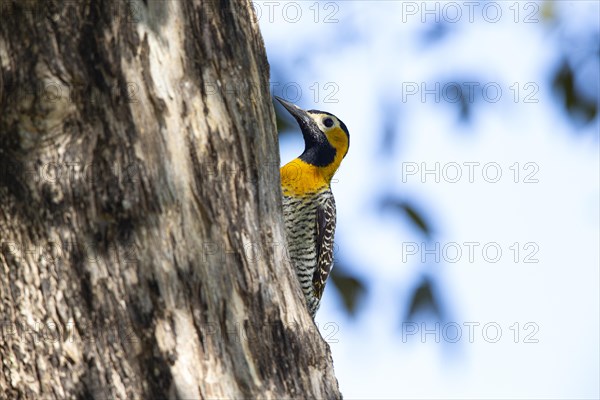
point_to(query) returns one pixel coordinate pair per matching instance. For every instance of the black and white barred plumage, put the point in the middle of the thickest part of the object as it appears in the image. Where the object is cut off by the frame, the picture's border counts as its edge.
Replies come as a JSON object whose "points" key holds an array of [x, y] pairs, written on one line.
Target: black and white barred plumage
{"points": [[310, 228]]}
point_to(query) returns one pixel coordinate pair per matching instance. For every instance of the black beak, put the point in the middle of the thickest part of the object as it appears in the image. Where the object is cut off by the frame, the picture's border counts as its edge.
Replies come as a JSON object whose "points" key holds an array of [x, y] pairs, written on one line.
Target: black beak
{"points": [[309, 128], [298, 113]]}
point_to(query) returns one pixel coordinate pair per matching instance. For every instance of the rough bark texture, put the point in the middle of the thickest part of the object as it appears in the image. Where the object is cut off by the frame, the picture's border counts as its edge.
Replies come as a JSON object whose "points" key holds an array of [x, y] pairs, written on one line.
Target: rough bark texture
{"points": [[140, 221]]}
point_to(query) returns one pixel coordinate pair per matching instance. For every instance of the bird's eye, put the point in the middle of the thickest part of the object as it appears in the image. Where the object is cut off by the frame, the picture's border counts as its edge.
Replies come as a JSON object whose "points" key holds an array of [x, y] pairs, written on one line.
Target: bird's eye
{"points": [[328, 122]]}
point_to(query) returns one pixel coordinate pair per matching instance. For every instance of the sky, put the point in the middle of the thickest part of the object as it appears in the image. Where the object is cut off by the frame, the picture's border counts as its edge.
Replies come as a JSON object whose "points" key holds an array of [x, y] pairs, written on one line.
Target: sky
{"points": [[512, 194]]}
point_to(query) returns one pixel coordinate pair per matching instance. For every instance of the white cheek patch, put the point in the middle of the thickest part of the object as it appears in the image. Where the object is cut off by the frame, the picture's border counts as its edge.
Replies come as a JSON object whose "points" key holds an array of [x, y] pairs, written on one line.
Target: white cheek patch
{"points": [[319, 121]]}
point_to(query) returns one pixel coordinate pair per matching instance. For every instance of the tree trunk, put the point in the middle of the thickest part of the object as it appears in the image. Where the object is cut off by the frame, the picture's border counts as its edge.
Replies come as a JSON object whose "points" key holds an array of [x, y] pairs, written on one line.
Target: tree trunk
{"points": [[141, 228]]}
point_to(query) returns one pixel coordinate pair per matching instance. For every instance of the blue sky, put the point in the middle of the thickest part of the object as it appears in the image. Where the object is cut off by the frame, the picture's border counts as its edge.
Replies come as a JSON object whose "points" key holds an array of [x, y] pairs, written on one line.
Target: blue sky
{"points": [[368, 62]]}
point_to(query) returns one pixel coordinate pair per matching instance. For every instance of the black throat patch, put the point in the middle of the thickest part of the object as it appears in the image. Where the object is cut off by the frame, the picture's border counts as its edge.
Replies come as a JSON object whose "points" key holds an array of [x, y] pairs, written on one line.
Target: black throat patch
{"points": [[320, 155]]}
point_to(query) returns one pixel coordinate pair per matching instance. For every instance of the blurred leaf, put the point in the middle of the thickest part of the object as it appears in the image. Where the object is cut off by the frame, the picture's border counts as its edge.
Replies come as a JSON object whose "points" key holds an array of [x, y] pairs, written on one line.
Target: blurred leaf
{"points": [[424, 299], [416, 218], [576, 105], [350, 288], [435, 33], [464, 108], [463, 95], [390, 128], [410, 211], [548, 11]]}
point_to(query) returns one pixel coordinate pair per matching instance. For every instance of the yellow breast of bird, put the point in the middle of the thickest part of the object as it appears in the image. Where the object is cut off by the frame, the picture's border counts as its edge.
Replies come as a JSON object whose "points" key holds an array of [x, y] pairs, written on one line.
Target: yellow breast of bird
{"points": [[300, 179]]}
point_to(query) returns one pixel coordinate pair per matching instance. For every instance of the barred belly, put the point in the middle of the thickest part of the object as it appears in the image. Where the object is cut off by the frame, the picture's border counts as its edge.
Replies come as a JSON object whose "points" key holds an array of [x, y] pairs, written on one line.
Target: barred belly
{"points": [[300, 215]]}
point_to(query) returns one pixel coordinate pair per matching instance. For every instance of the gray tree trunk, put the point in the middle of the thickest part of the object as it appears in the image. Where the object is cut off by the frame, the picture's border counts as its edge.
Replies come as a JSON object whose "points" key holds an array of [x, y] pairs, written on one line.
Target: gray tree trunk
{"points": [[140, 219]]}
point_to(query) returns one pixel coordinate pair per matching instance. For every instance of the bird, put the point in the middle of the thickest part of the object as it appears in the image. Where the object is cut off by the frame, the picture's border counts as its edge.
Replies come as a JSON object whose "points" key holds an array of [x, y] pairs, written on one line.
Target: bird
{"points": [[309, 209]]}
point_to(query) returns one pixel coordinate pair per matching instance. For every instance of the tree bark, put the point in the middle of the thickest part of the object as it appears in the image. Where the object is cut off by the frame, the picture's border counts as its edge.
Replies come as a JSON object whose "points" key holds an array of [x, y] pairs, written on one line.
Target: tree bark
{"points": [[140, 221]]}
